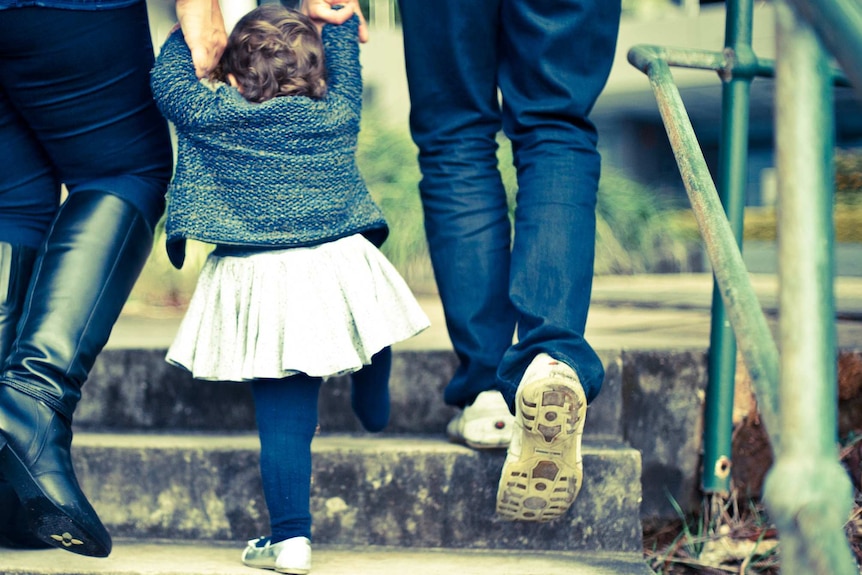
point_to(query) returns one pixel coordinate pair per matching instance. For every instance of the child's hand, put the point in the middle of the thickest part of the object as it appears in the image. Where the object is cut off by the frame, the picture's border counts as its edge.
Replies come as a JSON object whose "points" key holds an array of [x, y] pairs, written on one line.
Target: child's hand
{"points": [[336, 12]]}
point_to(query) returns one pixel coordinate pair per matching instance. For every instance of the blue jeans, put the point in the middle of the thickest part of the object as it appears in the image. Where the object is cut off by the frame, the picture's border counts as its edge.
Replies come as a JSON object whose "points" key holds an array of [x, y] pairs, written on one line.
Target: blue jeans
{"points": [[76, 108], [549, 60]]}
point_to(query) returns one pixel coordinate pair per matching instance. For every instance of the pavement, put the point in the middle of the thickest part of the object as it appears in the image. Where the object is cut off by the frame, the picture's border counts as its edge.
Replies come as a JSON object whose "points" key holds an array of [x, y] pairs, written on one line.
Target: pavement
{"points": [[164, 558], [645, 311]]}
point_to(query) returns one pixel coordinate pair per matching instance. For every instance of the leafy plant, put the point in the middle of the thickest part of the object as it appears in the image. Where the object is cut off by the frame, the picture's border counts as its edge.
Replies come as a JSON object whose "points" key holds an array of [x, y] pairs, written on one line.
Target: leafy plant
{"points": [[848, 177], [387, 160], [633, 231]]}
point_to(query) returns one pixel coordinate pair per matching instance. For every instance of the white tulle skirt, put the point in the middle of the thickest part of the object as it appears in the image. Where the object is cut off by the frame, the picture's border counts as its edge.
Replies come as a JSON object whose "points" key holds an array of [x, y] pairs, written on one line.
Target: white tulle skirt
{"points": [[323, 310]]}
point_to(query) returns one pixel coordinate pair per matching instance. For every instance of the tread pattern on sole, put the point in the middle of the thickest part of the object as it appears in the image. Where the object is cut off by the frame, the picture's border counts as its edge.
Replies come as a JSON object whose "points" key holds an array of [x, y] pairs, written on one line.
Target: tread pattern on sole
{"points": [[543, 482]]}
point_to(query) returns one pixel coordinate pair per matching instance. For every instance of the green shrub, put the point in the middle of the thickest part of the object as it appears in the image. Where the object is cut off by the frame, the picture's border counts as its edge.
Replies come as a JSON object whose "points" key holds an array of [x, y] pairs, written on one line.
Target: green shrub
{"points": [[387, 160], [633, 232], [848, 177]]}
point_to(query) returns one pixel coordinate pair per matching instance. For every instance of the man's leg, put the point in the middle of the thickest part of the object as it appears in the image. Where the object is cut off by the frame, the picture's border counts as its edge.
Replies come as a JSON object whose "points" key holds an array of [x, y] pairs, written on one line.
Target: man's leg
{"points": [[556, 58], [451, 56]]}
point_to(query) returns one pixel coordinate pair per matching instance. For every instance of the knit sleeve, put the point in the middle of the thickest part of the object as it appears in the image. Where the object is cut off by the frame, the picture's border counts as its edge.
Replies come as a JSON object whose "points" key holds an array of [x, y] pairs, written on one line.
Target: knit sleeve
{"points": [[178, 92], [341, 44]]}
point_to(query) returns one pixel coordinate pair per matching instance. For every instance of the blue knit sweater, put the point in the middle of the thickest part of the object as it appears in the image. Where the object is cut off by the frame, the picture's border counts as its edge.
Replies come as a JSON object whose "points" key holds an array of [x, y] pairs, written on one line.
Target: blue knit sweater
{"points": [[277, 174]]}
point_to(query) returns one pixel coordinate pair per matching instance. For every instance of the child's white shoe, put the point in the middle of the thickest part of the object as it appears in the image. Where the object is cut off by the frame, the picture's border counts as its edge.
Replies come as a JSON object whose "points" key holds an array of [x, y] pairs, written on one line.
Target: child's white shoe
{"points": [[289, 556]]}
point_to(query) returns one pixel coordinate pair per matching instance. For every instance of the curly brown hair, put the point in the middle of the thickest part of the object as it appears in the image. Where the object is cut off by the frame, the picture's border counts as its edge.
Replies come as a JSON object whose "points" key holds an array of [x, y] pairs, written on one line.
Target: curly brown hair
{"points": [[274, 51]]}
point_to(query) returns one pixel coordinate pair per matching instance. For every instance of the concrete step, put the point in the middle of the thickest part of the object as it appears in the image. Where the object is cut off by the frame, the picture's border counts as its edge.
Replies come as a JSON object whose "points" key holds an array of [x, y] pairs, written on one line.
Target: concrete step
{"points": [[652, 400], [400, 491], [198, 558], [135, 389]]}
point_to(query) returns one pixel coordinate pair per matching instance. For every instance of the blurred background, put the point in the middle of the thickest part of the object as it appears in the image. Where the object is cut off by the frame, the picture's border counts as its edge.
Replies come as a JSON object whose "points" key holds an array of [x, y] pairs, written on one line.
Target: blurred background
{"points": [[645, 225]]}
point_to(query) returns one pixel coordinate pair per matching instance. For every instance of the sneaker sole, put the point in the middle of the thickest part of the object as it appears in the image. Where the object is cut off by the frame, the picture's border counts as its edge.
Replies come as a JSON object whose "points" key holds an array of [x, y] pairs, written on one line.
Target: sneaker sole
{"points": [[540, 485]]}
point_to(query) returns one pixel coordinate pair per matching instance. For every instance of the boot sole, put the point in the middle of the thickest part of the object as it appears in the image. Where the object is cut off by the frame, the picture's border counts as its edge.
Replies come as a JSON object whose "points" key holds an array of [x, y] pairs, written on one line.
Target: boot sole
{"points": [[48, 521], [543, 482]]}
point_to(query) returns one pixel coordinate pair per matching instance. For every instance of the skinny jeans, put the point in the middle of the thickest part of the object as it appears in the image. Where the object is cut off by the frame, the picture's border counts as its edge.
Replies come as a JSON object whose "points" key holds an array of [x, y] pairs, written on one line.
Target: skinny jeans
{"points": [[76, 109]]}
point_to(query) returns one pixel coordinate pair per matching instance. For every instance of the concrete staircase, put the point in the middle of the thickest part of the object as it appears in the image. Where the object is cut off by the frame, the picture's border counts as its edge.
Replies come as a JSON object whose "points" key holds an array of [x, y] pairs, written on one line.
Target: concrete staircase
{"points": [[171, 465]]}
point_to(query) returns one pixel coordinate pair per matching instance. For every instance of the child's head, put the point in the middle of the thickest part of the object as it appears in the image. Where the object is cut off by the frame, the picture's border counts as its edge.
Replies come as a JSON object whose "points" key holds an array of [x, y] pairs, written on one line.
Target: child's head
{"points": [[274, 51]]}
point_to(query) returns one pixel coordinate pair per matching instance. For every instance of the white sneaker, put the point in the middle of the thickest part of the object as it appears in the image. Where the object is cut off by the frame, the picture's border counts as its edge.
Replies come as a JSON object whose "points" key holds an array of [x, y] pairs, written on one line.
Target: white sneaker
{"points": [[485, 424], [543, 471], [289, 556]]}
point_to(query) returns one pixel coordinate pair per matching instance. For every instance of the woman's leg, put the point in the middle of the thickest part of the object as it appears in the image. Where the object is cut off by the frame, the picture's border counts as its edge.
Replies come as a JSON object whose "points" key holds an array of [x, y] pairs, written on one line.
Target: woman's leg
{"points": [[82, 277], [78, 84], [81, 103], [16, 264], [286, 411]]}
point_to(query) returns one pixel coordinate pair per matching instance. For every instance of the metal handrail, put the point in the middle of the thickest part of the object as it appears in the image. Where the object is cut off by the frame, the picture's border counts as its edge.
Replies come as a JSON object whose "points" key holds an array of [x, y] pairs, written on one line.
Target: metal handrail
{"points": [[807, 491], [739, 297], [838, 25]]}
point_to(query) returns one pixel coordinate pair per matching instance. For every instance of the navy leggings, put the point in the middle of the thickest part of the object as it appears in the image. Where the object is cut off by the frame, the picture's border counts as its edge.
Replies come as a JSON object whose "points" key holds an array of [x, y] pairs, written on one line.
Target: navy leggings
{"points": [[286, 412], [76, 109]]}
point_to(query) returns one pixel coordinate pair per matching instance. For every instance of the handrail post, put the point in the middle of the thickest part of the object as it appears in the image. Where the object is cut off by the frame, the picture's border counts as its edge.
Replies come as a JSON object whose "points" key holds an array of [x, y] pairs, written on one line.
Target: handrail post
{"points": [[838, 24], [731, 181], [744, 310], [807, 492]]}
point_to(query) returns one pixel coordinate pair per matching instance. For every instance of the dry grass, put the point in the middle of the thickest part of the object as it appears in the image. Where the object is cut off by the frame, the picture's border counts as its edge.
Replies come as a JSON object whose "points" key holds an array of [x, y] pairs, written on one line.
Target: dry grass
{"points": [[760, 223], [724, 537], [735, 535]]}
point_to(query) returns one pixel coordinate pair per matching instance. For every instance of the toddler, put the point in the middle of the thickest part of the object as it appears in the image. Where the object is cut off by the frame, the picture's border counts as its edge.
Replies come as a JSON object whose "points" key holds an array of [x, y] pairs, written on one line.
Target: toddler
{"points": [[296, 289]]}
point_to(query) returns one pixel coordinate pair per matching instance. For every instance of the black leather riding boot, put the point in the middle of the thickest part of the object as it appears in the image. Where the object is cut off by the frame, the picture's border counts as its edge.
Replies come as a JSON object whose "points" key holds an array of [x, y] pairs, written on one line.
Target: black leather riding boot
{"points": [[16, 264], [83, 275]]}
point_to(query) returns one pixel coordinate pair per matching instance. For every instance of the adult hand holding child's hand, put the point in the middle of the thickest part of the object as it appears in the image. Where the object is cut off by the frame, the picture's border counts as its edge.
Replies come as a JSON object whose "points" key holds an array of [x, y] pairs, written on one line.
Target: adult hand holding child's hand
{"points": [[336, 12], [204, 30]]}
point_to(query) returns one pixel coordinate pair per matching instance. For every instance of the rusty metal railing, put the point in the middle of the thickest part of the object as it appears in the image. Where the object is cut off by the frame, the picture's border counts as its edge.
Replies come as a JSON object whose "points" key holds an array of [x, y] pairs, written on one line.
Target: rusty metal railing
{"points": [[807, 492]]}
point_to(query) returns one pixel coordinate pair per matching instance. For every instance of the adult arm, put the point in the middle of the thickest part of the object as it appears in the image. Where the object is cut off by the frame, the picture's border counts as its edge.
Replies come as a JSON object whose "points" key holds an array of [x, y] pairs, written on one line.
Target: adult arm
{"points": [[203, 27], [179, 94]]}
